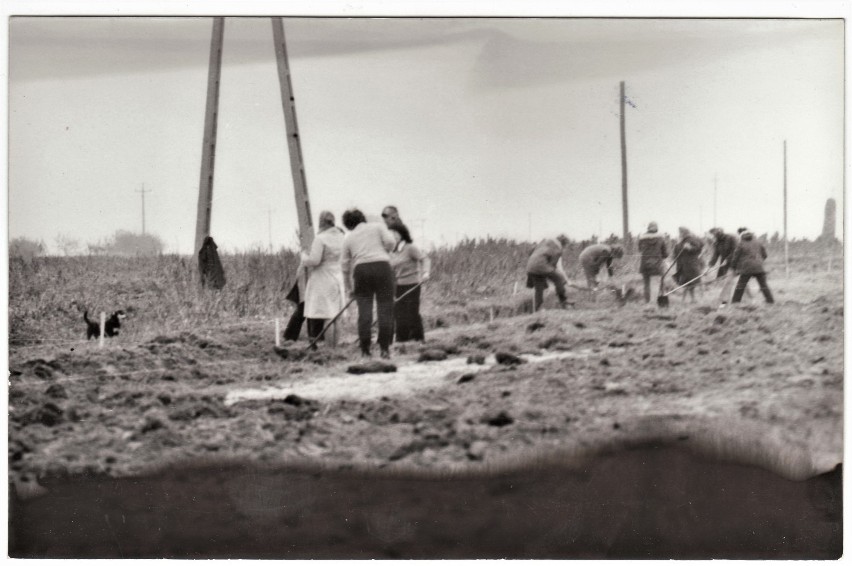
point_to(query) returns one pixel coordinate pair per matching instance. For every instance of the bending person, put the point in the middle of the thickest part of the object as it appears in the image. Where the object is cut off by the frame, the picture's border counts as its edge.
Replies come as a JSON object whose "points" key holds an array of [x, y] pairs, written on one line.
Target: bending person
{"points": [[367, 275], [411, 268], [324, 292], [542, 266], [594, 257]]}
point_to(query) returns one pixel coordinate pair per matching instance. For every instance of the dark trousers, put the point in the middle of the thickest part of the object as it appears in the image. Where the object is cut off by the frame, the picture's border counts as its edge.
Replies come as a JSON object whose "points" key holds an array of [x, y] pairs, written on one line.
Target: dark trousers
{"points": [[315, 326], [406, 312], [374, 280], [539, 284], [294, 325], [743, 281]]}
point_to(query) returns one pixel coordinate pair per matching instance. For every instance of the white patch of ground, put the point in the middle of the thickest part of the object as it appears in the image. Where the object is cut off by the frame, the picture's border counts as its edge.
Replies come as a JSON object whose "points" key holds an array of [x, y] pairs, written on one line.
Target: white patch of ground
{"points": [[409, 377]]}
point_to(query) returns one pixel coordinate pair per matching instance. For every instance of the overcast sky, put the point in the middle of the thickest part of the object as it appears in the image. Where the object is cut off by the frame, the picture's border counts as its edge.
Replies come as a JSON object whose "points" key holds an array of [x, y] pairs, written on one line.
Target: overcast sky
{"points": [[472, 127]]}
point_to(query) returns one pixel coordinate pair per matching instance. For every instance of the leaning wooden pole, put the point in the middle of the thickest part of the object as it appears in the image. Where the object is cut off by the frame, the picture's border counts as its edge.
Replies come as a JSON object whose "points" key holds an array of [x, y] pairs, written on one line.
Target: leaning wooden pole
{"points": [[208, 151], [297, 168], [624, 216], [786, 246]]}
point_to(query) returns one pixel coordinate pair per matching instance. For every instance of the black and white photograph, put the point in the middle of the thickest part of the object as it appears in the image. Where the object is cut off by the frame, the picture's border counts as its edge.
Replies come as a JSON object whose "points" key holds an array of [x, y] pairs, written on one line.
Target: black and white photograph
{"points": [[424, 282]]}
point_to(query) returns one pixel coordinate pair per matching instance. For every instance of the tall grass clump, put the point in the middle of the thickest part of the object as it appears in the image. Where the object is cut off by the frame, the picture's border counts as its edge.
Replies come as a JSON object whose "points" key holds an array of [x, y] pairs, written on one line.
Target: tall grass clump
{"points": [[47, 295]]}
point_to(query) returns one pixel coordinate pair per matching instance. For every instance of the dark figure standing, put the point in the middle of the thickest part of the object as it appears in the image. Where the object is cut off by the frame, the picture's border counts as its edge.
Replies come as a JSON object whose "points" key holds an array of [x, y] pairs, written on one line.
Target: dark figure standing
{"points": [[411, 268], [367, 274], [748, 262], [652, 251], [212, 273], [690, 266], [542, 267]]}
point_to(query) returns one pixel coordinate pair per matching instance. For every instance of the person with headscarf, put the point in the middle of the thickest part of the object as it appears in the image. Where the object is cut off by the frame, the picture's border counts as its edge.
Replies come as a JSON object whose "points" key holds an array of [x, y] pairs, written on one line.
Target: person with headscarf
{"points": [[411, 268], [212, 273], [324, 292], [543, 266], [723, 250], [748, 262], [596, 256], [652, 252], [367, 275], [689, 265]]}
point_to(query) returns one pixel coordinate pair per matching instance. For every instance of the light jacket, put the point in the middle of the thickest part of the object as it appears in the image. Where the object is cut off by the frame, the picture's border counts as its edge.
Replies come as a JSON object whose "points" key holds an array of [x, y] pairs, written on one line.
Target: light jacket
{"points": [[544, 257]]}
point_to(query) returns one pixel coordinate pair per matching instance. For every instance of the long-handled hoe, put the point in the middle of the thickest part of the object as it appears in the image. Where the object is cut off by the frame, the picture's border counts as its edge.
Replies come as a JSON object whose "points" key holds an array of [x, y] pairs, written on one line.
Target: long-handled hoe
{"points": [[662, 297], [665, 296]]}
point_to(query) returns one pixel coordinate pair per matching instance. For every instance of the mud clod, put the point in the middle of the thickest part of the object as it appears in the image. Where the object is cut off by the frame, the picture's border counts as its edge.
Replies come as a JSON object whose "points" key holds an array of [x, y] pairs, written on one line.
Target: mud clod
{"points": [[56, 391], [501, 419], [507, 359], [532, 327], [466, 378], [477, 359], [371, 367], [432, 355]]}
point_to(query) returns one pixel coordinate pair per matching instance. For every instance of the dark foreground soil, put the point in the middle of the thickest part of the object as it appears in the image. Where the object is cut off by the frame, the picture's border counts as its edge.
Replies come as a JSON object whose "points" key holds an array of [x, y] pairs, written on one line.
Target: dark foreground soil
{"points": [[644, 502], [684, 432]]}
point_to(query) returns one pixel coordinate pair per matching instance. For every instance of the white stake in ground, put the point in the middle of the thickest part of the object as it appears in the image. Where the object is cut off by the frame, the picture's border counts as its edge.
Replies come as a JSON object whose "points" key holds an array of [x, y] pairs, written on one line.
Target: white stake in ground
{"points": [[277, 334], [103, 330]]}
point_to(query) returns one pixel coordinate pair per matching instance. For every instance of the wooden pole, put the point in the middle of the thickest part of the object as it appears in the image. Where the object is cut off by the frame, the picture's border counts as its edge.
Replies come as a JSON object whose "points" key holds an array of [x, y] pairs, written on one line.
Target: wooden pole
{"points": [[715, 225], [208, 151], [786, 248], [103, 330], [624, 216], [277, 334], [297, 169], [143, 191]]}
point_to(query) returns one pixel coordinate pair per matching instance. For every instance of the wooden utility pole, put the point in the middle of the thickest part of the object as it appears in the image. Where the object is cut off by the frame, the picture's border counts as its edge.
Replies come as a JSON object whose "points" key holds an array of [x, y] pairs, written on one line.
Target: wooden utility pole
{"points": [[297, 169], [715, 179], [143, 191], [624, 217], [208, 152], [786, 249]]}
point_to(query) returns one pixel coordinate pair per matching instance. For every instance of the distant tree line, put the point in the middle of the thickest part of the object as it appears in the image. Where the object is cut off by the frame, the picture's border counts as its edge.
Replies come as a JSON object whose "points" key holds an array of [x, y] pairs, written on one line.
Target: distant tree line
{"points": [[122, 243]]}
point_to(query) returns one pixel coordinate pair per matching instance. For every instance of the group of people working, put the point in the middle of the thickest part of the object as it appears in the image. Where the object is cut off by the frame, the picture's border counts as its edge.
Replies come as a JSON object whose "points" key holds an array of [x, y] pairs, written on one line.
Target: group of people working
{"points": [[742, 255], [371, 263]]}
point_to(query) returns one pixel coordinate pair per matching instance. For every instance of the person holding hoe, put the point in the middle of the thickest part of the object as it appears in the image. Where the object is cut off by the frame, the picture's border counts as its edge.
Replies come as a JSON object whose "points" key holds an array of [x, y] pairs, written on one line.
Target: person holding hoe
{"points": [[689, 265], [594, 257], [411, 268], [723, 250], [367, 275], [652, 251], [324, 291], [748, 262], [542, 267]]}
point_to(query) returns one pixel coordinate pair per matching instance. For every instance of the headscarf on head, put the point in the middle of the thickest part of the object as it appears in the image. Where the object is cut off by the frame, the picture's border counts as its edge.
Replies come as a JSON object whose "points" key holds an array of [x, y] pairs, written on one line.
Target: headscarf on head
{"points": [[326, 220]]}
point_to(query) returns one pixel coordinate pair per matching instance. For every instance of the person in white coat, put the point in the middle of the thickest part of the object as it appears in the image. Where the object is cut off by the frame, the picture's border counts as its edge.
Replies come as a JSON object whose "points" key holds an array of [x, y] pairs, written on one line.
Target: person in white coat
{"points": [[325, 290]]}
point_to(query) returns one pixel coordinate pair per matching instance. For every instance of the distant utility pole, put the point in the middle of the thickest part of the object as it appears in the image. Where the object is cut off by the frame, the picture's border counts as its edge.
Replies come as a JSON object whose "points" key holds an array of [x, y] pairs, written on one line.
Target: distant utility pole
{"points": [[269, 217], [623, 168], [714, 201], [143, 191], [208, 150], [786, 249]]}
